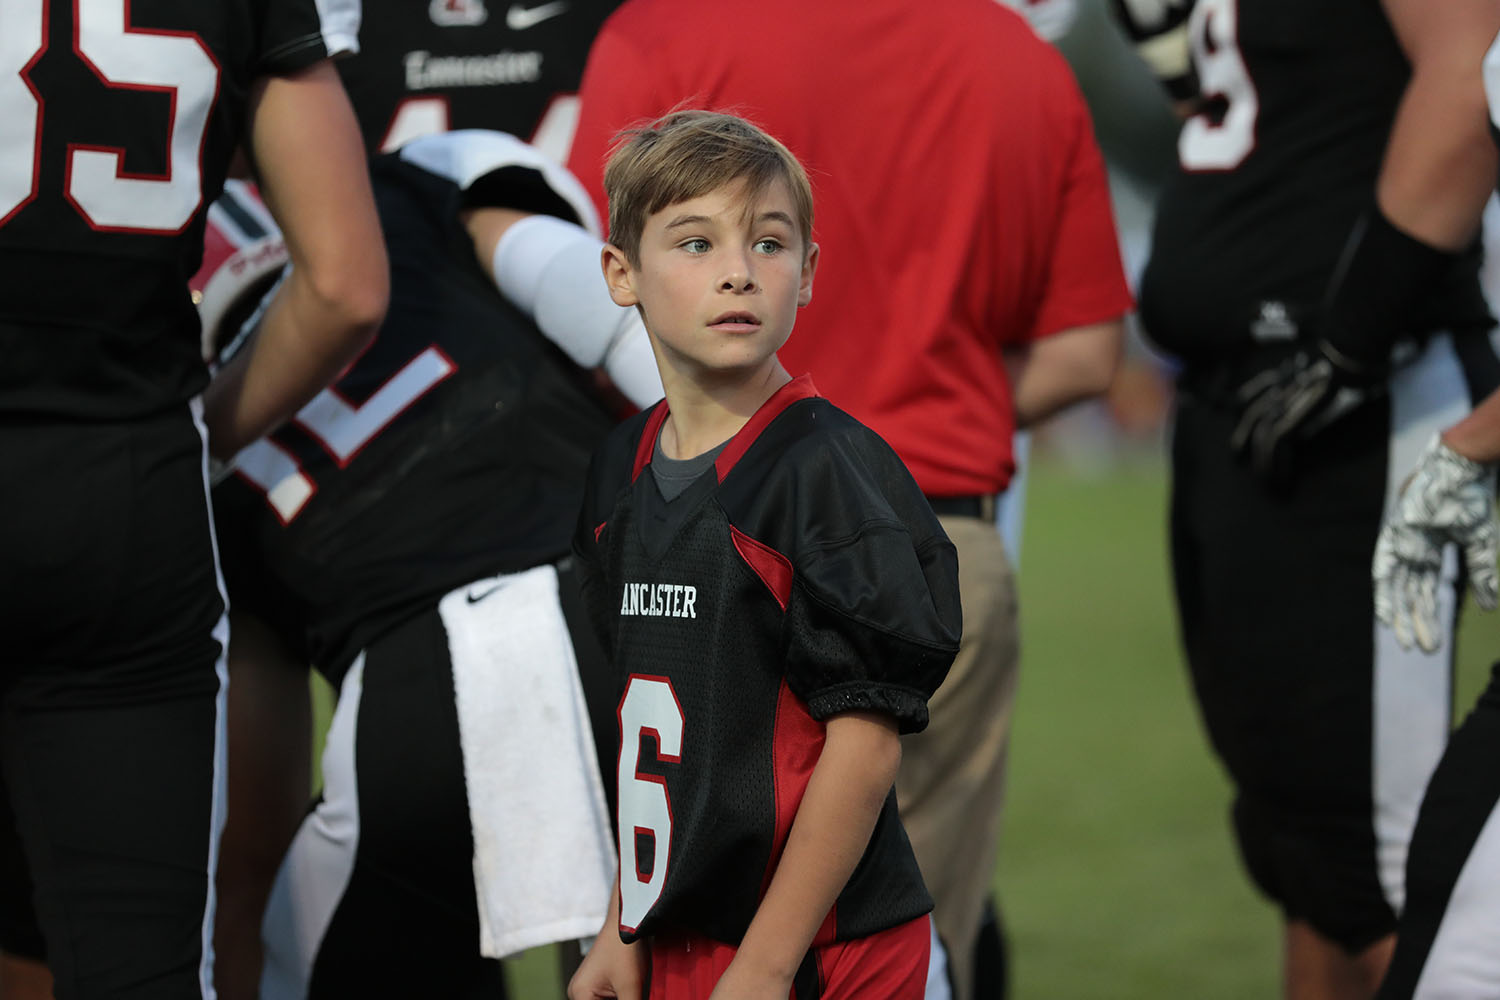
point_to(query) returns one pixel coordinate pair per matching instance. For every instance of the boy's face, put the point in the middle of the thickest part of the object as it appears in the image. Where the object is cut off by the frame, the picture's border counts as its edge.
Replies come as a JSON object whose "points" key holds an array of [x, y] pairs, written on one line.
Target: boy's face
{"points": [[719, 280]]}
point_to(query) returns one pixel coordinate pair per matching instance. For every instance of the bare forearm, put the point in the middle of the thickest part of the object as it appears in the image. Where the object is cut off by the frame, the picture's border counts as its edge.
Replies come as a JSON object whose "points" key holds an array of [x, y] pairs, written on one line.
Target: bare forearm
{"points": [[1063, 369], [1440, 164], [832, 828], [305, 141]]}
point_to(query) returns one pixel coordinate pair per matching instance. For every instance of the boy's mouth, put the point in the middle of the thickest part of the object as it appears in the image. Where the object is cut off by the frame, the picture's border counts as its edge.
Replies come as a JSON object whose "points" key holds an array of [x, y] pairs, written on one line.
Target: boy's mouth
{"points": [[735, 322]]}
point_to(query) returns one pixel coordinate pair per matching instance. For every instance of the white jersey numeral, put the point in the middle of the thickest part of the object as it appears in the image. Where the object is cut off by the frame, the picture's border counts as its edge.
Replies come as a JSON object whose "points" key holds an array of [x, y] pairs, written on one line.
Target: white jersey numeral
{"points": [[124, 58], [1206, 144], [23, 37], [554, 133], [414, 118], [131, 59], [341, 427], [418, 116], [649, 706]]}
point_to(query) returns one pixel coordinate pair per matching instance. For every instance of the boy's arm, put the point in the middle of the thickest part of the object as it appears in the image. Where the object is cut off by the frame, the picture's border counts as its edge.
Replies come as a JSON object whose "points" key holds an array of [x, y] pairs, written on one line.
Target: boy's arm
{"points": [[844, 796], [612, 968]]}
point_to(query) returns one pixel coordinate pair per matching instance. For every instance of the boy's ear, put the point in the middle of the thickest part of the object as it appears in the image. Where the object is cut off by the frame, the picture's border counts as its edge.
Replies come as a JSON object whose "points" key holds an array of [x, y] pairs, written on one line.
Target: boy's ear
{"points": [[618, 275], [809, 265]]}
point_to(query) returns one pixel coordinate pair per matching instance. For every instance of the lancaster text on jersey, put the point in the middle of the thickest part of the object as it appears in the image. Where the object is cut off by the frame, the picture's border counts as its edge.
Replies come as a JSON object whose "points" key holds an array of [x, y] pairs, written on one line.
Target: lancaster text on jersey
{"points": [[425, 70], [665, 600]]}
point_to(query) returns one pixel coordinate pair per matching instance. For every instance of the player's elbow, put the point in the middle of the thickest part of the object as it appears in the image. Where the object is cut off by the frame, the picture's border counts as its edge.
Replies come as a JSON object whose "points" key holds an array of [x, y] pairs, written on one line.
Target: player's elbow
{"points": [[1103, 364], [353, 293]]}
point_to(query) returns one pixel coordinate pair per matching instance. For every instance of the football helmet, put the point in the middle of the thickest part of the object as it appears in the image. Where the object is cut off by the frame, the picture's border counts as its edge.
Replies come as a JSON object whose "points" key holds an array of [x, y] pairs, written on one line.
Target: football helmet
{"points": [[243, 255]]}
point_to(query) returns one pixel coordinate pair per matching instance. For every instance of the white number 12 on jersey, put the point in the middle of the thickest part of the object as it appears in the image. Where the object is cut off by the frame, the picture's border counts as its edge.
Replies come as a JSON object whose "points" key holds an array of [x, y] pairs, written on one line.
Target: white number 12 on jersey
{"points": [[123, 58]]}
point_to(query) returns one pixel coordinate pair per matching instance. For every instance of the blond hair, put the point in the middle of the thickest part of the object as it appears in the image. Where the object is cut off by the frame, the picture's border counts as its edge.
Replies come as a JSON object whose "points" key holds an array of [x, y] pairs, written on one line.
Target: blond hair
{"points": [[686, 154]]}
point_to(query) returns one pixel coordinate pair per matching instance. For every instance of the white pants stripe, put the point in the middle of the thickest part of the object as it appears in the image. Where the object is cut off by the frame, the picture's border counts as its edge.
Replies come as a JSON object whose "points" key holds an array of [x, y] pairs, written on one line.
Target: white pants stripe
{"points": [[220, 778], [1413, 690]]}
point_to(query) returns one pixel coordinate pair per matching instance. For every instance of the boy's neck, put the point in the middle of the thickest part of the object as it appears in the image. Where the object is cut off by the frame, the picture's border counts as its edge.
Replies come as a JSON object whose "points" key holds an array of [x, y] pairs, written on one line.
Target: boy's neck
{"points": [[705, 415]]}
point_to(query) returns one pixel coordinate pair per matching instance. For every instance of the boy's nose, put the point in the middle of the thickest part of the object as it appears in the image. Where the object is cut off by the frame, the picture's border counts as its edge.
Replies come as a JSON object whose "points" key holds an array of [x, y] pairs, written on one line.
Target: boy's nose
{"points": [[737, 280], [739, 271]]}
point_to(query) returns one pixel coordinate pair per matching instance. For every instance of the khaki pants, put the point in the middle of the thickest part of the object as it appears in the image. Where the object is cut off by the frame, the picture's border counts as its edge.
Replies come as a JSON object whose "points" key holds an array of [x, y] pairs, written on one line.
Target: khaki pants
{"points": [[952, 778]]}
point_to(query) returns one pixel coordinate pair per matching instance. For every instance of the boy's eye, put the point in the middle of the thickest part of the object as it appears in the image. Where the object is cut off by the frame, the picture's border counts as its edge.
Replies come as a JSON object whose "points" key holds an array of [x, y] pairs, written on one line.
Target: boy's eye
{"points": [[769, 245], [695, 245]]}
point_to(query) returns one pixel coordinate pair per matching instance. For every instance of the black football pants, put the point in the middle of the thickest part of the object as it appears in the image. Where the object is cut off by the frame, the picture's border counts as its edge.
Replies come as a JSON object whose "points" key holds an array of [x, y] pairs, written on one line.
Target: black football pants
{"points": [[111, 735]]}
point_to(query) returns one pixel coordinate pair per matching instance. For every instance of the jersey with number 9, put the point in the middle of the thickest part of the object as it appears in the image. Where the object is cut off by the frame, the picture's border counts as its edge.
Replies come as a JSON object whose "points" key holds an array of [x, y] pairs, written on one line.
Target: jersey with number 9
{"points": [[117, 123], [1281, 158]]}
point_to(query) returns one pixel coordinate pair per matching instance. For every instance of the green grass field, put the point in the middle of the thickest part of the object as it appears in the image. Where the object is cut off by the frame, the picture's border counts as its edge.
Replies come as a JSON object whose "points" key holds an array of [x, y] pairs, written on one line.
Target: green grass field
{"points": [[1117, 876]]}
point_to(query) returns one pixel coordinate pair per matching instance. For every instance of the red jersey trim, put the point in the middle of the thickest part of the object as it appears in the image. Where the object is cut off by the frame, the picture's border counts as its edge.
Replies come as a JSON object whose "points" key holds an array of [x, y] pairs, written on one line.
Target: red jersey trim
{"points": [[796, 743], [828, 932], [647, 444], [798, 388], [773, 568]]}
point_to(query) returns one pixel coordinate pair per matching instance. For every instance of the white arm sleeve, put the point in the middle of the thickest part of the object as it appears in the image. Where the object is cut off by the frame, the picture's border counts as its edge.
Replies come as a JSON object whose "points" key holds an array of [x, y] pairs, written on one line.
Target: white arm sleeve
{"points": [[550, 269]]}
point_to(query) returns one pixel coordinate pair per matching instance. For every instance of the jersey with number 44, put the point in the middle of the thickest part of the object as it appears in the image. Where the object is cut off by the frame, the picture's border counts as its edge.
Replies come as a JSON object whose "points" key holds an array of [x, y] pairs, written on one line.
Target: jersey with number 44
{"points": [[801, 576], [1299, 99], [117, 122], [428, 66]]}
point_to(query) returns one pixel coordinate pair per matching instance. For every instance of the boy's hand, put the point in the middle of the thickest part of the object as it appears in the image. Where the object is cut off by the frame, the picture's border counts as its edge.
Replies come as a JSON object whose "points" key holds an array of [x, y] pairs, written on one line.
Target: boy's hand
{"points": [[612, 968], [742, 981]]}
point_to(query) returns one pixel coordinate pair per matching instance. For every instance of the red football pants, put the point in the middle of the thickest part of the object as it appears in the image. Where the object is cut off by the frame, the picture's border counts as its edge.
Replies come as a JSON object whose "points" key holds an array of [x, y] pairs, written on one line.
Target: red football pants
{"points": [[890, 965]]}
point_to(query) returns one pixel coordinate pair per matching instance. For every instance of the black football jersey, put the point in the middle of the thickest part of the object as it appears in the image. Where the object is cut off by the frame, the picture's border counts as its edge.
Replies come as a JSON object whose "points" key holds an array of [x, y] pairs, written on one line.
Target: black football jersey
{"points": [[454, 448], [802, 575], [1301, 95], [510, 65], [117, 122]]}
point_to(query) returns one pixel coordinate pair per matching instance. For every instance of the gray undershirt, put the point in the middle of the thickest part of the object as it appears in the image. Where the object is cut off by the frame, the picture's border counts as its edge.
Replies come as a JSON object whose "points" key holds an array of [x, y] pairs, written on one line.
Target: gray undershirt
{"points": [[674, 476]]}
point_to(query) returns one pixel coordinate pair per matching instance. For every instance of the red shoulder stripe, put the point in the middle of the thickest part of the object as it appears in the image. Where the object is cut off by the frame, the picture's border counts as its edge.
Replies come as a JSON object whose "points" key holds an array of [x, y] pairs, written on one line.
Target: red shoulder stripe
{"points": [[647, 444], [800, 387]]}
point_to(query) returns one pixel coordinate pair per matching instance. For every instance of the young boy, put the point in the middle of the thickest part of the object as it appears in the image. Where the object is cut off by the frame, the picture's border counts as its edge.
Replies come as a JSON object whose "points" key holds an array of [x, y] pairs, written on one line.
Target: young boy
{"points": [[778, 599]]}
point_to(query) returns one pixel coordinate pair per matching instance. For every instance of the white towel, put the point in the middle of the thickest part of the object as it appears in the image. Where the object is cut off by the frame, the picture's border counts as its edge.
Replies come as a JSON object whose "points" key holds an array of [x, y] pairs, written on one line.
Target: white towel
{"points": [[544, 860]]}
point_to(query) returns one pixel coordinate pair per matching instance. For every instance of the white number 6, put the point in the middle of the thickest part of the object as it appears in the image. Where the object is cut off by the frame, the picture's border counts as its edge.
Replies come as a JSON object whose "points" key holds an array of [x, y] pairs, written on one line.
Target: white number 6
{"points": [[649, 706]]}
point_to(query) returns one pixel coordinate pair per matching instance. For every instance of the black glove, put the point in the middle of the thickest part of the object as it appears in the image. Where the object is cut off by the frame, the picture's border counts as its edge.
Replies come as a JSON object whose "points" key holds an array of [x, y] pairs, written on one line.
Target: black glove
{"points": [[1289, 403], [1374, 297]]}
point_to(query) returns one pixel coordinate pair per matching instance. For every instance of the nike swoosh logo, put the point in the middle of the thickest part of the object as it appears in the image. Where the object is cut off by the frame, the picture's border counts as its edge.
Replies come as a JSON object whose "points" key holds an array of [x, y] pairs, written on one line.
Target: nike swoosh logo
{"points": [[519, 18], [481, 595]]}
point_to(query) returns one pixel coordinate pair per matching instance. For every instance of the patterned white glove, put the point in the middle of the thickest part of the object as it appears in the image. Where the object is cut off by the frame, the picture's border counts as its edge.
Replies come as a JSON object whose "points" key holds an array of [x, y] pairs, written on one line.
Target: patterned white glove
{"points": [[1447, 498]]}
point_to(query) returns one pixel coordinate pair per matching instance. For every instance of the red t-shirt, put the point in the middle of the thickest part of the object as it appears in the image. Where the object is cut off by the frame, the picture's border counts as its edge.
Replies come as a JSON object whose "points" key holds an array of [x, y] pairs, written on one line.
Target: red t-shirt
{"points": [[961, 200]]}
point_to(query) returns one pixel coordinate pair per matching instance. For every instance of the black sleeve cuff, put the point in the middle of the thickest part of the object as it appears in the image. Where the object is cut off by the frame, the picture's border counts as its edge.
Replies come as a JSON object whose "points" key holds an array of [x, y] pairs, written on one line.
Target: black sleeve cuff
{"points": [[907, 707], [1376, 289]]}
